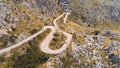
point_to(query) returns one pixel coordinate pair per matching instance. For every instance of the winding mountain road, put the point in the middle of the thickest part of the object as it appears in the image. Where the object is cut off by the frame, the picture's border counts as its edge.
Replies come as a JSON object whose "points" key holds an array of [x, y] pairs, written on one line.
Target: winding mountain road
{"points": [[45, 44]]}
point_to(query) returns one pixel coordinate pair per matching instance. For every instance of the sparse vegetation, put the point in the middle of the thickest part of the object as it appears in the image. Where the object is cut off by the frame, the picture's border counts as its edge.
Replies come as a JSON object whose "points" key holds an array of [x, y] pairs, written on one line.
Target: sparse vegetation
{"points": [[2, 59], [57, 41], [31, 59], [88, 18], [34, 31], [28, 55], [79, 39], [13, 38]]}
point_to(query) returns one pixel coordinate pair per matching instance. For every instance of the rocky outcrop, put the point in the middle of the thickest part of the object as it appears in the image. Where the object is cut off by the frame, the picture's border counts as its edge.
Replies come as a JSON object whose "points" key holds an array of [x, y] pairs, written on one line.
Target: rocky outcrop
{"points": [[3, 10], [88, 11], [97, 11], [48, 6]]}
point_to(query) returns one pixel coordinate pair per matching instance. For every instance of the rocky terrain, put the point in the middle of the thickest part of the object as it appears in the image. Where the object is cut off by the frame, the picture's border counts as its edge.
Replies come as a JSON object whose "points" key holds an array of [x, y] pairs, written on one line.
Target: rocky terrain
{"points": [[96, 10], [94, 25]]}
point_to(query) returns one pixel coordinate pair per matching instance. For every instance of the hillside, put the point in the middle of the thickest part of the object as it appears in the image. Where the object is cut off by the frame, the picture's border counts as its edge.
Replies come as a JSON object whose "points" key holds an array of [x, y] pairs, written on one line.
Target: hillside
{"points": [[59, 34]]}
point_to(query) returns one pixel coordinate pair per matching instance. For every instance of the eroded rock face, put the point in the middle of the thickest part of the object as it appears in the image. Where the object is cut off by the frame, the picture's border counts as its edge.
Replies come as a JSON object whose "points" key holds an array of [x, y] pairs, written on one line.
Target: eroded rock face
{"points": [[89, 11], [96, 10], [48, 6], [3, 10]]}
